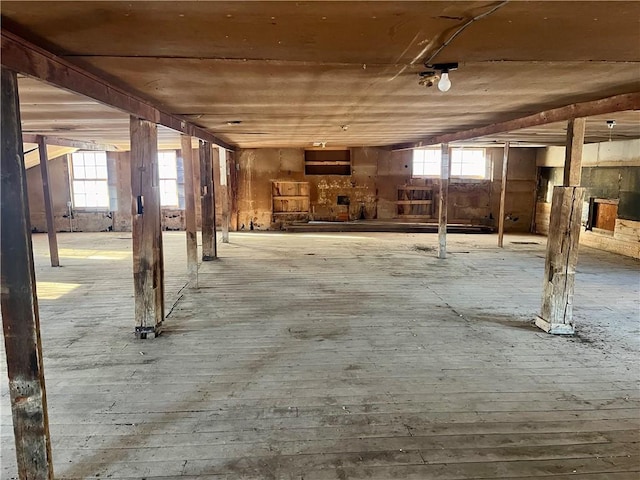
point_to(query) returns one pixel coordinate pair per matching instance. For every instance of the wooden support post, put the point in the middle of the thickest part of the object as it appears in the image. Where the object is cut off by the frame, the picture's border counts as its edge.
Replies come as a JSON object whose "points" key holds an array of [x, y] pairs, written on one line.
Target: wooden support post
{"points": [[573, 153], [207, 196], [48, 202], [445, 168], [148, 263], [18, 301], [224, 195], [503, 194], [556, 315], [190, 211], [562, 257], [215, 152], [233, 189]]}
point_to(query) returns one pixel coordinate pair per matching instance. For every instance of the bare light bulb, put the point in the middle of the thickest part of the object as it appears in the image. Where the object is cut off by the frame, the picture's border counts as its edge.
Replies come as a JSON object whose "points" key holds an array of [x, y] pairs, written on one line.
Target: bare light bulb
{"points": [[444, 84]]}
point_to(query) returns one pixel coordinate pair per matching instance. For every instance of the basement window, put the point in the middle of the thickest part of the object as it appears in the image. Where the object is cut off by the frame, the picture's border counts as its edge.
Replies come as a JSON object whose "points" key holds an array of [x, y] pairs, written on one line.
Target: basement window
{"points": [[168, 173], [465, 163], [327, 162], [90, 180]]}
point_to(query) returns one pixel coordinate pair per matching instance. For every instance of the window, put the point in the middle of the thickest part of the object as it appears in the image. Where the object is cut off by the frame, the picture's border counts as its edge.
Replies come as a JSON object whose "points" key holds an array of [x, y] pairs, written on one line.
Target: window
{"points": [[90, 181], [465, 162], [468, 162], [426, 163], [168, 173]]}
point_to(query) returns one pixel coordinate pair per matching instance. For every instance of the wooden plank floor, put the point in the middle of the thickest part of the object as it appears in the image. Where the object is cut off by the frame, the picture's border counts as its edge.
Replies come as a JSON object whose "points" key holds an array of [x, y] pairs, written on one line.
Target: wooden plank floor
{"points": [[335, 356]]}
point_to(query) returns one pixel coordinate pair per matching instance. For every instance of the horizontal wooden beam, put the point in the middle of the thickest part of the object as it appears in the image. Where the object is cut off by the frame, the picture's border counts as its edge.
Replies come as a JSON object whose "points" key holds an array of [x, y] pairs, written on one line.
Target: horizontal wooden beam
{"points": [[28, 59], [66, 142], [617, 103]]}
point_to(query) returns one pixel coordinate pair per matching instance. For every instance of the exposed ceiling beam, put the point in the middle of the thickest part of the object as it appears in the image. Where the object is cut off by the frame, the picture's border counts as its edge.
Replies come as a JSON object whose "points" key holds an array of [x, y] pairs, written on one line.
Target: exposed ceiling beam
{"points": [[617, 103], [28, 59], [66, 142]]}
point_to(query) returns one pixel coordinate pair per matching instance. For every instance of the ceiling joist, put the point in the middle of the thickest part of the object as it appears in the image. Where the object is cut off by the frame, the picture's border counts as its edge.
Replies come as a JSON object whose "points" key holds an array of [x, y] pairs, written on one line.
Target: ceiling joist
{"points": [[616, 103], [66, 142], [28, 59]]}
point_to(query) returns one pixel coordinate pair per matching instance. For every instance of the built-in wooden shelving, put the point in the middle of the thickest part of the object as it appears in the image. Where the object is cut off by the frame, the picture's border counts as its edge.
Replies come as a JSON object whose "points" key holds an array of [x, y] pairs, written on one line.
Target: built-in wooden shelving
{"points": [[289, 198], [415, 202]]}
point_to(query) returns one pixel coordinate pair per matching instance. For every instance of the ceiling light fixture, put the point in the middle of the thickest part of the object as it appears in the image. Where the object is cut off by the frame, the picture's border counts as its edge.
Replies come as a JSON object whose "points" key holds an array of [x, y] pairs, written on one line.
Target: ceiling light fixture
{"points": [[439, 75], [610, 125], [445, 83]]}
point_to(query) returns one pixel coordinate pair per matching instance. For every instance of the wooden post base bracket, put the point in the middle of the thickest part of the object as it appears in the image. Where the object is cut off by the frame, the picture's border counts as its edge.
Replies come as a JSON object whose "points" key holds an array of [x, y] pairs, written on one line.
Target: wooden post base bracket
{"points": [[142, 333], [555, 328]]}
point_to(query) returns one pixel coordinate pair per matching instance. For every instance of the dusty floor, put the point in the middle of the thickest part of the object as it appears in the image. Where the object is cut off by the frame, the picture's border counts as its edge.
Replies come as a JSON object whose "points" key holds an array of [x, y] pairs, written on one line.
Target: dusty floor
{"points": [[335, 356]]}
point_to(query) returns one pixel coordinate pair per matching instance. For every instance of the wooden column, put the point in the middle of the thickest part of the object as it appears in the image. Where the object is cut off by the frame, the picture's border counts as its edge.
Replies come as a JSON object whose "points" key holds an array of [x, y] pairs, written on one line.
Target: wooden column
{"points": [[48, 202], [148, 263], [445, 169], [503, 194], [18, 301], [190, 211], [556, 315], [215, 152], [224, 195], [573, 153], [233, 189], [207, 197]]}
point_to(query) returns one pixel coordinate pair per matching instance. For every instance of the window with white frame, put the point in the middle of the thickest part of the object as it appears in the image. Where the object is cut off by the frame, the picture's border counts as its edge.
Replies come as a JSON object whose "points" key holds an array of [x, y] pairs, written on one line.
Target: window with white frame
{"points": [[168, 173], [426, 162], [90, 181], [465, 162], [468, 162]]}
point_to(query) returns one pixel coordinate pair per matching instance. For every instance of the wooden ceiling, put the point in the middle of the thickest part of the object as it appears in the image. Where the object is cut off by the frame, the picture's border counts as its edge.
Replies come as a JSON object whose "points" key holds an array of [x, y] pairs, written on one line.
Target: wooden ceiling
{"points": [[344, 73]]}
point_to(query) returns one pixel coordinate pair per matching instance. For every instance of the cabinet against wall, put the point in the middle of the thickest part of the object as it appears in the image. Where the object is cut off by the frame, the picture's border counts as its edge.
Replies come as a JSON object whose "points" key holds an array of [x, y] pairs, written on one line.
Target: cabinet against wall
{"points": [[289, 198], [415, 202], [603, 213]]}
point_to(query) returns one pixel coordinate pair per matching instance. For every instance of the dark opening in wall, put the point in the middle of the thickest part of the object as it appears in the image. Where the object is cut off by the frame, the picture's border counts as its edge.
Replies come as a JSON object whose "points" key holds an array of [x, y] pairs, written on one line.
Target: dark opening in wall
{"points": [[343, 200], [327, 162], [548, 178], [602, 214]]}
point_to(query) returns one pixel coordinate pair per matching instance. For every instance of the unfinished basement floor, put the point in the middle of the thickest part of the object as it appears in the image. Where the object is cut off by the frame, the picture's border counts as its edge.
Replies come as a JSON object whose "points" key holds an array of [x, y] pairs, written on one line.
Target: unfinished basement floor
{"points": [[337, 356]]}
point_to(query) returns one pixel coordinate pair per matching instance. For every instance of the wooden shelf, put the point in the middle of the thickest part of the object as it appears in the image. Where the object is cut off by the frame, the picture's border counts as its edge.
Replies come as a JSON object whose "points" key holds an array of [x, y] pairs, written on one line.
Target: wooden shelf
{"points": [[415, 187], [289, 199], [336, 162], [414, 202]]}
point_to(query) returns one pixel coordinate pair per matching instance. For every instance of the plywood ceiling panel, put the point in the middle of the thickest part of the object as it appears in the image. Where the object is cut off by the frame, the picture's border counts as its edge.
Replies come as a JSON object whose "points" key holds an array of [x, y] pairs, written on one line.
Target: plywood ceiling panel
{"points": [[32, 156], [295, 73]]}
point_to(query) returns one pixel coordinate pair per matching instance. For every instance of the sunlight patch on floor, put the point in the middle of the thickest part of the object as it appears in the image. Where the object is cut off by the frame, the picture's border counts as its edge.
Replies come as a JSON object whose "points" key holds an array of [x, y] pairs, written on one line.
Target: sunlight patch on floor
{"points": [[326, 236], [54, 290], [93, 254]]}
